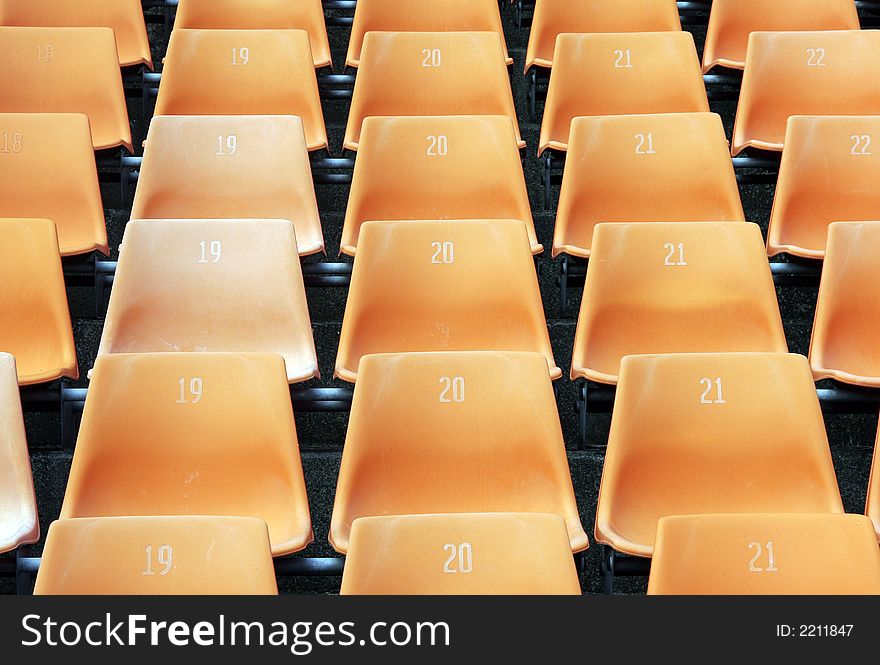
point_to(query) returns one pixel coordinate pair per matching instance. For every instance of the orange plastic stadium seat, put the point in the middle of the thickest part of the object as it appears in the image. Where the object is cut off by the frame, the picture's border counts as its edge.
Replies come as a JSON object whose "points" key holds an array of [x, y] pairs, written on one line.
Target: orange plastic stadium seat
{"points": [[191, 434], [125, 17], [442, 286], [430, 73], [305, 15], [175, 555], [830, 172], [211, 285], [422, 16], [230, 167], [831, 72], [18, 505], [663, 287], [66, 70], [243, 72], [873, 503], [732, 21], [450, 167], [644, 168], [554, 17], [434, 433], [782, 554], [710, 433], [844, 345], [47, 170], [460, 554], [35, 325], [620, 74]]}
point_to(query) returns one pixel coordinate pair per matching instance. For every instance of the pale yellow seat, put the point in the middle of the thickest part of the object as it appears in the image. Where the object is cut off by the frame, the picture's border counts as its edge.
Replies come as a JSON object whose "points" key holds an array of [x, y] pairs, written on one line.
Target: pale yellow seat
{"points": [[174, 555], [211, 285], [230, 167]]}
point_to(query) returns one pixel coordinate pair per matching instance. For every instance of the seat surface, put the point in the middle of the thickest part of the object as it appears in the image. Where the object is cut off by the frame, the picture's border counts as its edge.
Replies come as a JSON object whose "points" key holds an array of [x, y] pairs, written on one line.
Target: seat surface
{"points": [[442, 286], [732, 21], [422, 16], [305, 15], [42, 72], [230, 167], [689, 435], [437, 168], [47, 171], [243, 72], [554, 17], [765, 555], [35, 326], [437, 433], [191, 434], [830, 72], [125, 17], [644, 168], [179, 555], [18, 504], [618, 74], [844, 346], [430, 73], [211, 285], [830, 172], [674, 288], [463, 554]]}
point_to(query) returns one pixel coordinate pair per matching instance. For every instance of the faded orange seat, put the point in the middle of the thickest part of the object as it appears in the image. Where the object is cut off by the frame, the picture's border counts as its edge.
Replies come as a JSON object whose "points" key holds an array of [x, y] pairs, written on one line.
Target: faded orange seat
{"points": [[830, 72], [305, 15], [872, 505], [554, 17], [424, 16], [230, 167], [460, 554], [454, 433], [211, 285], [844, 345], [830, 172], [243, 72], [18, 504], [782, 554], [620, 74], [450, 167], [430, 73], [125, 17], [175, 555], [689, 436], [47, 170], [660, 287], [66, 70], [644, 168], [35, 325], [442, 286], [732, 21], [191, 434]]}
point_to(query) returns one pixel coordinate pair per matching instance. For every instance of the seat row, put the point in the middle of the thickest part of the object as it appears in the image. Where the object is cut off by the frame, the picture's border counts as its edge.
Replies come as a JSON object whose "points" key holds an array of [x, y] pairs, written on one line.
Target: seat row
{"points": [[214, 435], [213, 285]]}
